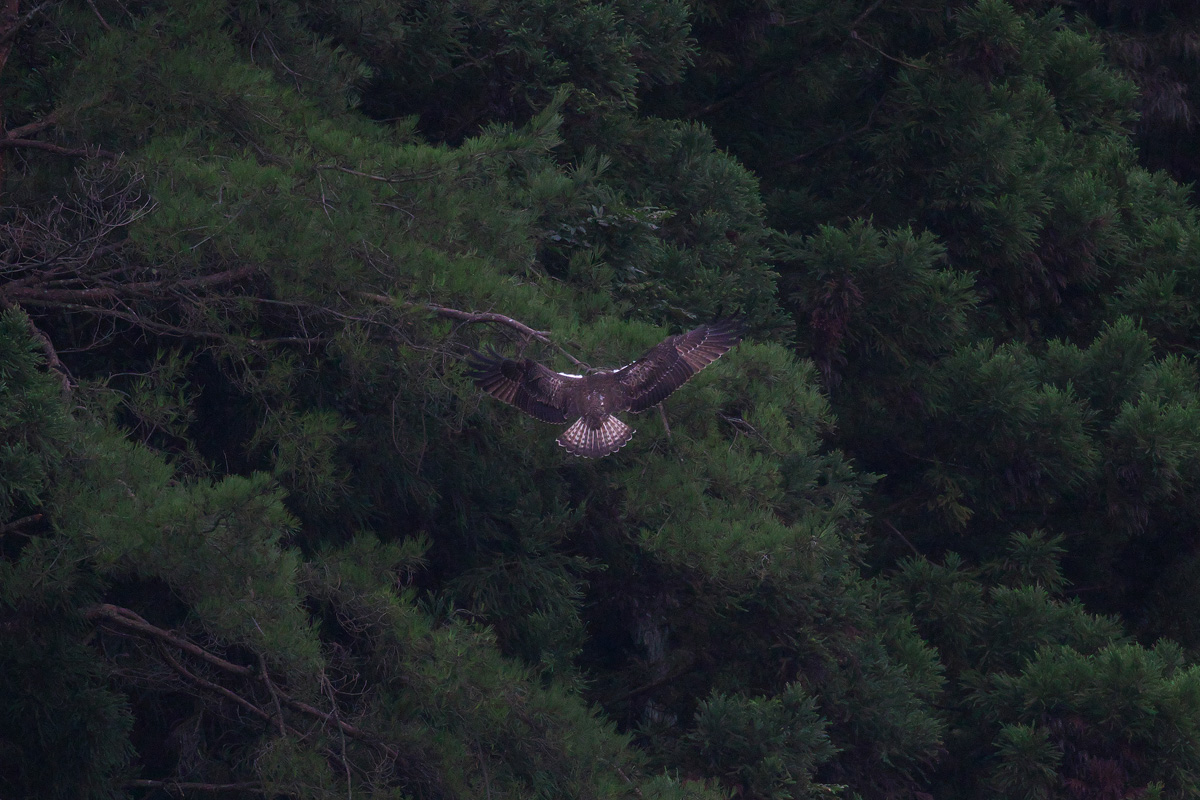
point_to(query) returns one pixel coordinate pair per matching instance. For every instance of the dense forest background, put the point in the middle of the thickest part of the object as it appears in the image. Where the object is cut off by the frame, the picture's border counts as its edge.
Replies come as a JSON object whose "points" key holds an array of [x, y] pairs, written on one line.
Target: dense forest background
{"points": [[931, 531]]}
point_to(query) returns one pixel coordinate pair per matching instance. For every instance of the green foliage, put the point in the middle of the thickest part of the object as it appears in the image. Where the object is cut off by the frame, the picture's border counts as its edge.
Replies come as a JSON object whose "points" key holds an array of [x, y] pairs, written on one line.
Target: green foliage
{"points": [[32, 423], [1120, 720], [1052, 700], [63, 733], [769, 747], [1150, 44], [874, 302], [215, 545]]}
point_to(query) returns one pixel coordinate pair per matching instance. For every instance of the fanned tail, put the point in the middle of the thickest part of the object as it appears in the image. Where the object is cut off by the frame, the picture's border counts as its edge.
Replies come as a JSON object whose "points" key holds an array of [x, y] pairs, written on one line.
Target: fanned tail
{"points": [[584, 440]]}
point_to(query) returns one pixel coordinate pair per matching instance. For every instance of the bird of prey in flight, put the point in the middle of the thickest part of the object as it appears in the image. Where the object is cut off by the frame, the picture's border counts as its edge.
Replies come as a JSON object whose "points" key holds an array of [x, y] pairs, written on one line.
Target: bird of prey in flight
{"points": [[590, 401]]}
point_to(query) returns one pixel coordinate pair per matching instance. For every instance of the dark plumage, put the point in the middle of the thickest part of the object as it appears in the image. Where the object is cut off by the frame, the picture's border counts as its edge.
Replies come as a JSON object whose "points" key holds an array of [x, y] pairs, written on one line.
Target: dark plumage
{"points": [[591, 400]]}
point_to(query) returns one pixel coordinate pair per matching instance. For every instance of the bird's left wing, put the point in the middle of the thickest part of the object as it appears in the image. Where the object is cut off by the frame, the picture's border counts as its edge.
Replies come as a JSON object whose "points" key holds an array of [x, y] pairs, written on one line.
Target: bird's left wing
{"points": [[537, 390], [668, 365]]}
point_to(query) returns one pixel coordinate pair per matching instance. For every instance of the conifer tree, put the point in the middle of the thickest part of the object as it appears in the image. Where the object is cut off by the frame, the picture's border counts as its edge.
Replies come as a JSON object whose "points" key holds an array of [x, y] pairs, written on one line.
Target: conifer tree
{"points": [[263, 534]]}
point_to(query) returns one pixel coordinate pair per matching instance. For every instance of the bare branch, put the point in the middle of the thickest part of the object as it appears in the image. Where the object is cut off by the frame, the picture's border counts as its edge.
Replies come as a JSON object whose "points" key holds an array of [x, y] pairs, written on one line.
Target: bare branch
{"points": [[870, 10], [854, 35], [179, 787], [344, 727], [78, 152], [17, 523], [328, 685], [16, 292], [210, 686], [420, 176], [204, 281], [477, 316], [154, 326], [848, 134], [32, 127], [637, 791], [11, 30], [747, 86], [125, 618], [103, 22], [903, 538], [488, 316]]}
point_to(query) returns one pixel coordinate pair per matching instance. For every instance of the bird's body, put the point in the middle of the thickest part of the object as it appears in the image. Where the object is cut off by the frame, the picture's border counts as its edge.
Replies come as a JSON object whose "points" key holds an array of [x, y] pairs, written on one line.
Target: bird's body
{"points": [[592, 400]]}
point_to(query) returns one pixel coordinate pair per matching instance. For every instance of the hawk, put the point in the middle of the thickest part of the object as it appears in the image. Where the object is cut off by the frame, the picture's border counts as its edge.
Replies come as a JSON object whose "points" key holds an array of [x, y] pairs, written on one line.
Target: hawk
{"points": [[592, 400]]}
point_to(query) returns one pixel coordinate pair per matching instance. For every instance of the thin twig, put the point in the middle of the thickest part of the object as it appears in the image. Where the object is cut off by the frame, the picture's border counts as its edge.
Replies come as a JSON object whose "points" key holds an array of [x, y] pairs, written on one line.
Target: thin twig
{"points": [[266, 678], [848, 134], [903, 538], [345, 727], [870, 10], [381, 178], [103, 22], [325, 682], [662, 412], [854, 35]]}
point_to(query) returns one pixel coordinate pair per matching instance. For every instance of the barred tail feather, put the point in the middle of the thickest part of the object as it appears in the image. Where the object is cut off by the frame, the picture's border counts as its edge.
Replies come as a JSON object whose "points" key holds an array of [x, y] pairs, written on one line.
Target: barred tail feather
{"points": [[584, 440]]}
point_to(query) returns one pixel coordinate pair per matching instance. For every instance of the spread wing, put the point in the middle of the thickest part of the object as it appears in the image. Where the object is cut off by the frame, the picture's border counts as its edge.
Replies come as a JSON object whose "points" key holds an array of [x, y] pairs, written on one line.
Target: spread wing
{"points": [[668, 365], [539, 391]]}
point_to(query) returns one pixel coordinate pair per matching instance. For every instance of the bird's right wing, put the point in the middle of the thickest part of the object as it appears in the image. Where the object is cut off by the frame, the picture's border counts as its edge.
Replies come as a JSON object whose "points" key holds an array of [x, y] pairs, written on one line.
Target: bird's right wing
{"points": [[538, 391]]}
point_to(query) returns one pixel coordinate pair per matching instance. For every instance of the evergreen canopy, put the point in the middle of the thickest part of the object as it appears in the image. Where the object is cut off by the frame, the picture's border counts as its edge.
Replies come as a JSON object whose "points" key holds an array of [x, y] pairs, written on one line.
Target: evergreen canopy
{"points": [[929, 532]]}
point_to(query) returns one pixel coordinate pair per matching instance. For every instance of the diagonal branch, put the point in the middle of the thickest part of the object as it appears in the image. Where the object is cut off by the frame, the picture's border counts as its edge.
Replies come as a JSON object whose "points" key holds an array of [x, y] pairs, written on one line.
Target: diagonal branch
{"points": [[103, 22], [10, 31], [22, 131], [477, 316], [17, 523], [489, 316], [16, 292], [78, 152], [179, 787], [125, 618], [345, 727], [233, 697]]}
